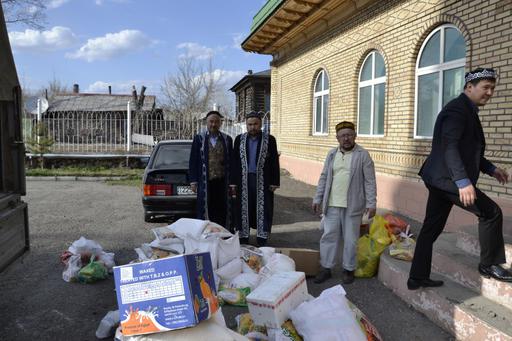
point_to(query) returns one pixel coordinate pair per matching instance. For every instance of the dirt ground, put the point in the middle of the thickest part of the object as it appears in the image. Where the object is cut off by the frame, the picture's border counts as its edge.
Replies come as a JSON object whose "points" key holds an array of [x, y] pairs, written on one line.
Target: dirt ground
{"points": [[38, 305]]}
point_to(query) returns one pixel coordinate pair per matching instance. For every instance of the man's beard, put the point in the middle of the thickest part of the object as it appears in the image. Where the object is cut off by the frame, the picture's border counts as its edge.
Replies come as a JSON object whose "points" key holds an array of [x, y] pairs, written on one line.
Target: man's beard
{"points": [[349, 148]]}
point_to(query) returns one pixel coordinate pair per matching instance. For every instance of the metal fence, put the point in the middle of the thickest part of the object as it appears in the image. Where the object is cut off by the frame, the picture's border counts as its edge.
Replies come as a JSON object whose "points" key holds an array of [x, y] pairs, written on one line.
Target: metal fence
{"points": [[112, 133]]}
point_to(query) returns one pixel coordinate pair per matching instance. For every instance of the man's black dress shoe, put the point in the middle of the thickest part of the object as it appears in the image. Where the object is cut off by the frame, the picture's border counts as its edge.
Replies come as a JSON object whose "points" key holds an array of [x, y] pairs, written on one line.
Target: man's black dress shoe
{"points": [[496, 272], [413, 284], [322, 276], [261, 241], [347, 277]]}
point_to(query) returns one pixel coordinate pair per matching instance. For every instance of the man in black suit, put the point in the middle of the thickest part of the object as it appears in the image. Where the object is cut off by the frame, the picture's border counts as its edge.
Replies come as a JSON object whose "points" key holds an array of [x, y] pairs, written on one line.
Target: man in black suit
{"points": [[450, 174]]}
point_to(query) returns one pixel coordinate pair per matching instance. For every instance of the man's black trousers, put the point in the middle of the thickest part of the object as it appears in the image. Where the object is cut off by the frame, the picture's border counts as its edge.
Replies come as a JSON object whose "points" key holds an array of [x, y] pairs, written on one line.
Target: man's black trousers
{"points": [[439, 205], [217, 201]]}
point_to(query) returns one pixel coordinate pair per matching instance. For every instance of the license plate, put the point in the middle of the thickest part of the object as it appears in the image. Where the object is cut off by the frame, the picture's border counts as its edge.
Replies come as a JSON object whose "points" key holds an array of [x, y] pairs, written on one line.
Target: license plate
{"points": [[184, 190]]}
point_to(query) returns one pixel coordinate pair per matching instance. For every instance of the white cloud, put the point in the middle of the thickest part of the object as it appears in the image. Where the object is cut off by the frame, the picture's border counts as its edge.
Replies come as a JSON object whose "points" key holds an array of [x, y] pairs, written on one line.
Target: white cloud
{"points": [[124, 87], [111, 45], [228, 77], [238, 38], [57, 38], [225, 78], [56, 3], [98, 87], [32, 9], [197, 51]]}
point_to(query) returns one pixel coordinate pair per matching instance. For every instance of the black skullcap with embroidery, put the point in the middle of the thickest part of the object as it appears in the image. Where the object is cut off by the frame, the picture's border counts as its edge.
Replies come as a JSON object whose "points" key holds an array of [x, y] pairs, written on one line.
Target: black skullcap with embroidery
{"points": [[214, 112], [253, 114], [480, 73], [345, 124]]}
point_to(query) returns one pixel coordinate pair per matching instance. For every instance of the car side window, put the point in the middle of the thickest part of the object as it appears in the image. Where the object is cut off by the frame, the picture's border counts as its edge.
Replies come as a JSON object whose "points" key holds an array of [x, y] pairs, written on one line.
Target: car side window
{"points": [[172, 156]]}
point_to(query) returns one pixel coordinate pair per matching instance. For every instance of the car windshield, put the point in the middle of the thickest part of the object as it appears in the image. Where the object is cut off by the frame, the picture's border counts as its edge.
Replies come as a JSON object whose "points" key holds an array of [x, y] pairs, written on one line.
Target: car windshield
{"points": [[172, 156]]}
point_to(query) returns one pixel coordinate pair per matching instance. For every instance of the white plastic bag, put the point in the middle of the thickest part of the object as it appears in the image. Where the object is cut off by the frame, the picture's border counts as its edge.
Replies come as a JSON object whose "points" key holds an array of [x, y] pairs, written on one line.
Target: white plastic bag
{"points": [[276, 334], [175, 245], [167, 240], [107, 258], [70, 273], [230, 270], [187, 227], [322, 222], [277, 263], [144, 252], [108, 325], [327, 317], [210, 244], [84, 246], [218, 318], [245, 280], [228, 250], [267, 253]]}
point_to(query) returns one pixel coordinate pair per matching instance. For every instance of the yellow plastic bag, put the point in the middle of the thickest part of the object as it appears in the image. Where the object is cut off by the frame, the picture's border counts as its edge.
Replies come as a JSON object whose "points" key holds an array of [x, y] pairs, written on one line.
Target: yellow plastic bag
{"points": [[368, 255], [370, 246], [378, 230]]}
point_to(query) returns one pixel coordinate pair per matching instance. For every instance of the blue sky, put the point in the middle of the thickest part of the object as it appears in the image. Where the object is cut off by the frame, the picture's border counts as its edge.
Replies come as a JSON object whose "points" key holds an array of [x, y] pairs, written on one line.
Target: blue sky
{"points": [[97, 43]]}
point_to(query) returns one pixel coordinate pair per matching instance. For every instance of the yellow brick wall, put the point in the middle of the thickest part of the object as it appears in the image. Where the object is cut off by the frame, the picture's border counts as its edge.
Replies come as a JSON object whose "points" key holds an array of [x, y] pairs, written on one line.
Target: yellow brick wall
{"points": [[397, 30]]}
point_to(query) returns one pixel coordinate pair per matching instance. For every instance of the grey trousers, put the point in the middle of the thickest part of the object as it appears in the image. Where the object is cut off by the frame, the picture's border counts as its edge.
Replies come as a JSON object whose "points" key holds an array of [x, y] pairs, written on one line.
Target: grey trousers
{"points": [[335, 223]]}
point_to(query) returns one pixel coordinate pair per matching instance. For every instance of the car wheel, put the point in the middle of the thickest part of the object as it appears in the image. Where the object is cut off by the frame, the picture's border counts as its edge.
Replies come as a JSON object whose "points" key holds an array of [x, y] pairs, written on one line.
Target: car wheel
{"points": [[147, 218]]}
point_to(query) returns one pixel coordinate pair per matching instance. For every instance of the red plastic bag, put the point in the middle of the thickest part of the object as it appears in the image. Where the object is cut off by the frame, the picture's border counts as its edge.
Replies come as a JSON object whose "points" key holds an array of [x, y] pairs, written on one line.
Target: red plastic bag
{"points": [[64, 257], [395, 225]]}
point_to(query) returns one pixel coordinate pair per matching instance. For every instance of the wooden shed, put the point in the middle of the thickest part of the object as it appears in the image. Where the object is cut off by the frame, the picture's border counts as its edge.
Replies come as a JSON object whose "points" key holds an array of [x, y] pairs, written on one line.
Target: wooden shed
{"points": [[252, 93], [14, 239]]}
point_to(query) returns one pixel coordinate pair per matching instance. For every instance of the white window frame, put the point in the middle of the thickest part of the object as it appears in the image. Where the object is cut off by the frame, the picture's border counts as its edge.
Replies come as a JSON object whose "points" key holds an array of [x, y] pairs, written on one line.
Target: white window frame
{"points": [[317, 94], [371, 82], [438, 68]]}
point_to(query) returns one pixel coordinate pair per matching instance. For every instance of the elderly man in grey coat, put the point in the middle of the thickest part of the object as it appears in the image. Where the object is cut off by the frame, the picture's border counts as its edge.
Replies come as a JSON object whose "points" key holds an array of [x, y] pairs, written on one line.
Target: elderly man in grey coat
{"points": [[346, 190]]}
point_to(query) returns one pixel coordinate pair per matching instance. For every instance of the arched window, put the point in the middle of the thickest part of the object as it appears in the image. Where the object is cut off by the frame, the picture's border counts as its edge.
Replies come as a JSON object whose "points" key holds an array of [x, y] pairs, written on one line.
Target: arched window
{"points": [[321, 103], [439, 76], [372, 90]]}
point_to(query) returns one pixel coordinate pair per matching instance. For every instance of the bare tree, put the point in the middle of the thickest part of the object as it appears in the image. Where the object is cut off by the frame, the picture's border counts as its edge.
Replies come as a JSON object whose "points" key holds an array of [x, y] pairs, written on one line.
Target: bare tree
{"points": [[191, 90], [54, 87], [27, 12]]}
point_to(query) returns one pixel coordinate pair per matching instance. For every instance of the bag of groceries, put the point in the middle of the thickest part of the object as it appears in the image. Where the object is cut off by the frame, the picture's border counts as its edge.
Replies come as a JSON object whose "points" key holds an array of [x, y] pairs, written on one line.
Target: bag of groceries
{"points": [[370, 247], [233, 296], [395, 225], [92, 272], [403, 246]]}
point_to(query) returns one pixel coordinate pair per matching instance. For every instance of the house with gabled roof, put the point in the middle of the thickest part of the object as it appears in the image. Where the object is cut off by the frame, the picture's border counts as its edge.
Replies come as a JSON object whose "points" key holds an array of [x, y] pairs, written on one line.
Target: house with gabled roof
{"points": [[101, 117], [252, 93]]}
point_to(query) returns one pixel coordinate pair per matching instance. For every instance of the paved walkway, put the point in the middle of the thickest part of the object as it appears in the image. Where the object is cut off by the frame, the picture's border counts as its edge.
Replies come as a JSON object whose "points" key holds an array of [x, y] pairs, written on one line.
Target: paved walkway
{"points": [[38, 304]]}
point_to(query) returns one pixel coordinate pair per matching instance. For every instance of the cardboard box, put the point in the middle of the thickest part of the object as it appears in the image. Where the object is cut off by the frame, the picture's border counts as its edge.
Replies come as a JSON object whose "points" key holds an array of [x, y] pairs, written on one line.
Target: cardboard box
{"points": [[306, 260], [271, 302], [165, 294]]}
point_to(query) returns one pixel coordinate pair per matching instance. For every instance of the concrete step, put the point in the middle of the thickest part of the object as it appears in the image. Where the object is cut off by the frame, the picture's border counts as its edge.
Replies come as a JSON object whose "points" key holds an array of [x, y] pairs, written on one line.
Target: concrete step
{"points": [[455, 308], [467, 240], [462, 268]]}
